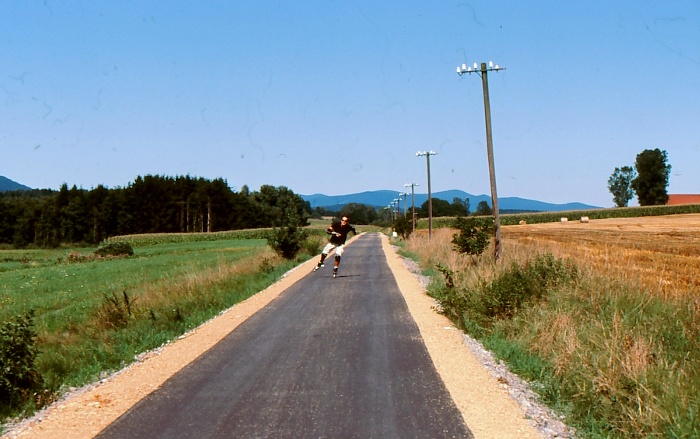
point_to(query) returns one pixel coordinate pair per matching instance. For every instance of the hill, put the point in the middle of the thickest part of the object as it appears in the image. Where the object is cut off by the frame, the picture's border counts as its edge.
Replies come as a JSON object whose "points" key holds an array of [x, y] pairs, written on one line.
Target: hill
{"points": [[7, 185], [382, 198]]}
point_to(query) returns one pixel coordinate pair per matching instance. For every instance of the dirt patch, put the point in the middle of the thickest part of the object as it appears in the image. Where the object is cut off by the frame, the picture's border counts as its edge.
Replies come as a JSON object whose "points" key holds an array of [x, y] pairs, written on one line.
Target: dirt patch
{"points": [[479, 386]]}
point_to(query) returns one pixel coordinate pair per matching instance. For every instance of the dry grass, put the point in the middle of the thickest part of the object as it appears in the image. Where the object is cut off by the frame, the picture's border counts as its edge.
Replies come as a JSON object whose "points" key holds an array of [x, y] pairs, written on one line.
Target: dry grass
{"points": [[660, 254], [621, 342], [196, 283]]}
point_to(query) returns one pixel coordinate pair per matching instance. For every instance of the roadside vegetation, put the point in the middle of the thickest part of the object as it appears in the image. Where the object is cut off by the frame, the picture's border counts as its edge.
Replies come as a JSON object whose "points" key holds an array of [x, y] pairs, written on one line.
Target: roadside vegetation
{"points": [[603, 319], [70, 315]]}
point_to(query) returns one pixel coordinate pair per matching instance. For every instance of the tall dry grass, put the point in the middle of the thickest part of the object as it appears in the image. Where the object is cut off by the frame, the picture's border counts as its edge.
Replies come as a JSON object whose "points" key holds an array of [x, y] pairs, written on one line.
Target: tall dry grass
{"points": [[621, 344], [196, 283]]}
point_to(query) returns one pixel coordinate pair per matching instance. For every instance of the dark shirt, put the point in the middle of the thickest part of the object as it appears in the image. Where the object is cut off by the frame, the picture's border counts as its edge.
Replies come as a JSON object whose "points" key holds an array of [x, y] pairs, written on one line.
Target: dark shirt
{"points": [[341, 232]]}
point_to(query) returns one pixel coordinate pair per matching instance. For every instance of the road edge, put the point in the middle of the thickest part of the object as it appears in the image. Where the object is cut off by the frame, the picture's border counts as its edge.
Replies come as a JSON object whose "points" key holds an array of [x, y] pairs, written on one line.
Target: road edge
{"points": [[486, 408]]}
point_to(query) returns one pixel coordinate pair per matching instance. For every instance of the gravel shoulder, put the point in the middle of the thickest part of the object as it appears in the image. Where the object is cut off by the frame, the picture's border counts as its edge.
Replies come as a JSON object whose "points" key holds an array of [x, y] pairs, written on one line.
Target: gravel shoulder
{"points": [[493, 402]]}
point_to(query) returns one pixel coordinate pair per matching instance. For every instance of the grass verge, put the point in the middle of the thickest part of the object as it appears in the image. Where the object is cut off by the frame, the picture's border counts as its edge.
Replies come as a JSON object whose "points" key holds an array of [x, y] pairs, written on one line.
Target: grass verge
{"points": [[614, 359]]}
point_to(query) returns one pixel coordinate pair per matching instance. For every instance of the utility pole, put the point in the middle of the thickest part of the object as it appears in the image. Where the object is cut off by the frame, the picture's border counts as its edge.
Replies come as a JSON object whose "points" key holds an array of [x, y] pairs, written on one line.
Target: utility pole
{"points": [[405, 206], [427, 155], [483, 72], [413, 203]]}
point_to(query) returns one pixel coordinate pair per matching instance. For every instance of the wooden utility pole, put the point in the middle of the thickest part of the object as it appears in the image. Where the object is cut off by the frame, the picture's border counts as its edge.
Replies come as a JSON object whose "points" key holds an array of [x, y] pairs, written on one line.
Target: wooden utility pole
{"points": [[413, 203], [427, 155], [483, 72], [492, 168]]}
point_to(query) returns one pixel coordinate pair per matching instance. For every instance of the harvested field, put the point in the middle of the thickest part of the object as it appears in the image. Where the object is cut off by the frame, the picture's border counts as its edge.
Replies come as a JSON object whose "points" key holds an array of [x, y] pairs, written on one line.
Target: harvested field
{"points": [[660, 253]]}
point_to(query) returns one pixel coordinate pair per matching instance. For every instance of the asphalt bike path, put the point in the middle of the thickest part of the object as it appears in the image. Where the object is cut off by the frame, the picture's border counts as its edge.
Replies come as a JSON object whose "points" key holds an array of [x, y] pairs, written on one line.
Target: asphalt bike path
{"points": [[328, 358]]}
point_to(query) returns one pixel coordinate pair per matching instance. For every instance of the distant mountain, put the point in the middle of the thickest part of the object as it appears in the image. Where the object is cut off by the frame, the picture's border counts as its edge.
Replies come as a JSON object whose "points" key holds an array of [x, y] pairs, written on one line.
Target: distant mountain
{"points": [[7, 185], [384, 197]]}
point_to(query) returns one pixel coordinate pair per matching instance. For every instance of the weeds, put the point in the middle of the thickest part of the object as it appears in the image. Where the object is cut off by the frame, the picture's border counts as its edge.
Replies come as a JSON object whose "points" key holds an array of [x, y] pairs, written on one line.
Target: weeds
{"points": [[514, 287], [312, 245], [115, 312], [266, 265], [19, 378]]}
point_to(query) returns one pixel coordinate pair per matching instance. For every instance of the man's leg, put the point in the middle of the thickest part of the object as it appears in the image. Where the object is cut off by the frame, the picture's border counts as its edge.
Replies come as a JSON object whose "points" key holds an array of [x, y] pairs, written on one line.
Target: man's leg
{"points": [[335, 265], [324, 254], [338, 254]]}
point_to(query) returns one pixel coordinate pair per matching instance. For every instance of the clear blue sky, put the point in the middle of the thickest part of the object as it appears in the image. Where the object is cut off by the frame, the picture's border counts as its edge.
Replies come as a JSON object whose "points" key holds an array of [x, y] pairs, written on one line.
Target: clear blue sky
{"points": [[337, 97]]}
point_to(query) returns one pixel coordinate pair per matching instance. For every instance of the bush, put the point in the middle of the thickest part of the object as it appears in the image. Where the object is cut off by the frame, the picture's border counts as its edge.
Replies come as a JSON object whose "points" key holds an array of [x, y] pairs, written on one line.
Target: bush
{"points": [[474, 235], [312, 245], [403, 226], [120, 248], [19, 379], [286, 241], [506, 294]]}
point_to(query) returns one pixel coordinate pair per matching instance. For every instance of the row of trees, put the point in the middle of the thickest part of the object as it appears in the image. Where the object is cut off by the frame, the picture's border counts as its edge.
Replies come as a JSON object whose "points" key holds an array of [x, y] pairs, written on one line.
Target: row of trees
{"points": [[648, 179], [151, 204], [159, 204]]}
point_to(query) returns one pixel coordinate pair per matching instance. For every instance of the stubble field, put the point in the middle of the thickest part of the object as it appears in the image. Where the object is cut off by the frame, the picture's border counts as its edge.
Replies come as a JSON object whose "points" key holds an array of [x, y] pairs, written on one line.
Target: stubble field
{"points": [[660, 253]]}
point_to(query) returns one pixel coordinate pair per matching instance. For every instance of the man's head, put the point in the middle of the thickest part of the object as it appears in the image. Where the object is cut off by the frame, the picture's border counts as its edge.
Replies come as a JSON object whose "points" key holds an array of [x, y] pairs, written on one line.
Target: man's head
{"points": [[344, 220]]}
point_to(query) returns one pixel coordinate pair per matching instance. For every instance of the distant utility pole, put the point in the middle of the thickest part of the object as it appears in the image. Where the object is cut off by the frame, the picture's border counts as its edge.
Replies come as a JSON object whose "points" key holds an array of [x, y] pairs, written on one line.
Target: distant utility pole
{"points": [[413, 203], [427, 155], [489, 144], [404, 195]]}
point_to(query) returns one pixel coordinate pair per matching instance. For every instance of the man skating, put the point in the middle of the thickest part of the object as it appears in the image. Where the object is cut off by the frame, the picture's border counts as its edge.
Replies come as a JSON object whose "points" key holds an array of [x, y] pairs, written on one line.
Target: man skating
{"points": [[338, 234]]}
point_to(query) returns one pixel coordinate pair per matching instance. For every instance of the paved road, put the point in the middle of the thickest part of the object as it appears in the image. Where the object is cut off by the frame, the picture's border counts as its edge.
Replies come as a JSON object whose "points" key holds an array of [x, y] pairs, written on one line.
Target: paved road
{"points": [[329, 358]]}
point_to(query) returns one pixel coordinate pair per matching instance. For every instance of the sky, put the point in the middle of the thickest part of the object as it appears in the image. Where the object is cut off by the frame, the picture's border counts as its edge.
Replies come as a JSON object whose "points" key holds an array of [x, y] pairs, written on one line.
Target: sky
{"points": [[336, 97]]}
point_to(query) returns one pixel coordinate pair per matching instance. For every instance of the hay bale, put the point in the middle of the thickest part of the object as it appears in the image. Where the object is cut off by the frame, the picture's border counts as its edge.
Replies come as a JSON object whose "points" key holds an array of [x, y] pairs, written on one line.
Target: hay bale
{"points": [[584, 219], [522, 222], [564, 219]]}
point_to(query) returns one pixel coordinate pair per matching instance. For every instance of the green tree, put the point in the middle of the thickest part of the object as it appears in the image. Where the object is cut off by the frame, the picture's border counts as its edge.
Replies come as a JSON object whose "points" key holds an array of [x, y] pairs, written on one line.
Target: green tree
{"points": [[474, 235], [483, 208], [442, 207], [359, 213], [281, 205], [620, 185], [460, 207], [652, 177]]}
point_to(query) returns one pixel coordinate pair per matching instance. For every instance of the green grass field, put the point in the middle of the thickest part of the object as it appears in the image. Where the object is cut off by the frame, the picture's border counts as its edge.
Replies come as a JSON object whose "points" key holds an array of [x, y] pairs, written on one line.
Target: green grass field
{"points": [[46, 281], [95, 314]]}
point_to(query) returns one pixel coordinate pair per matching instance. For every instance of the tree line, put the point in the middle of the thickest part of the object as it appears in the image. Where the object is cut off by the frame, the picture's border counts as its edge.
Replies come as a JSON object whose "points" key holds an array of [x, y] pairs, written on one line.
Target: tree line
{"points": [[648, 179], [183, 204], [151, 204]]}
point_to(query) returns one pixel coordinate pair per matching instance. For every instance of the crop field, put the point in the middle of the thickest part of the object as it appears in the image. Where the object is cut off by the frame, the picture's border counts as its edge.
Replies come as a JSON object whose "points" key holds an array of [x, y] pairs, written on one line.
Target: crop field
{"points": [[660, 253], [613, 342]]}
